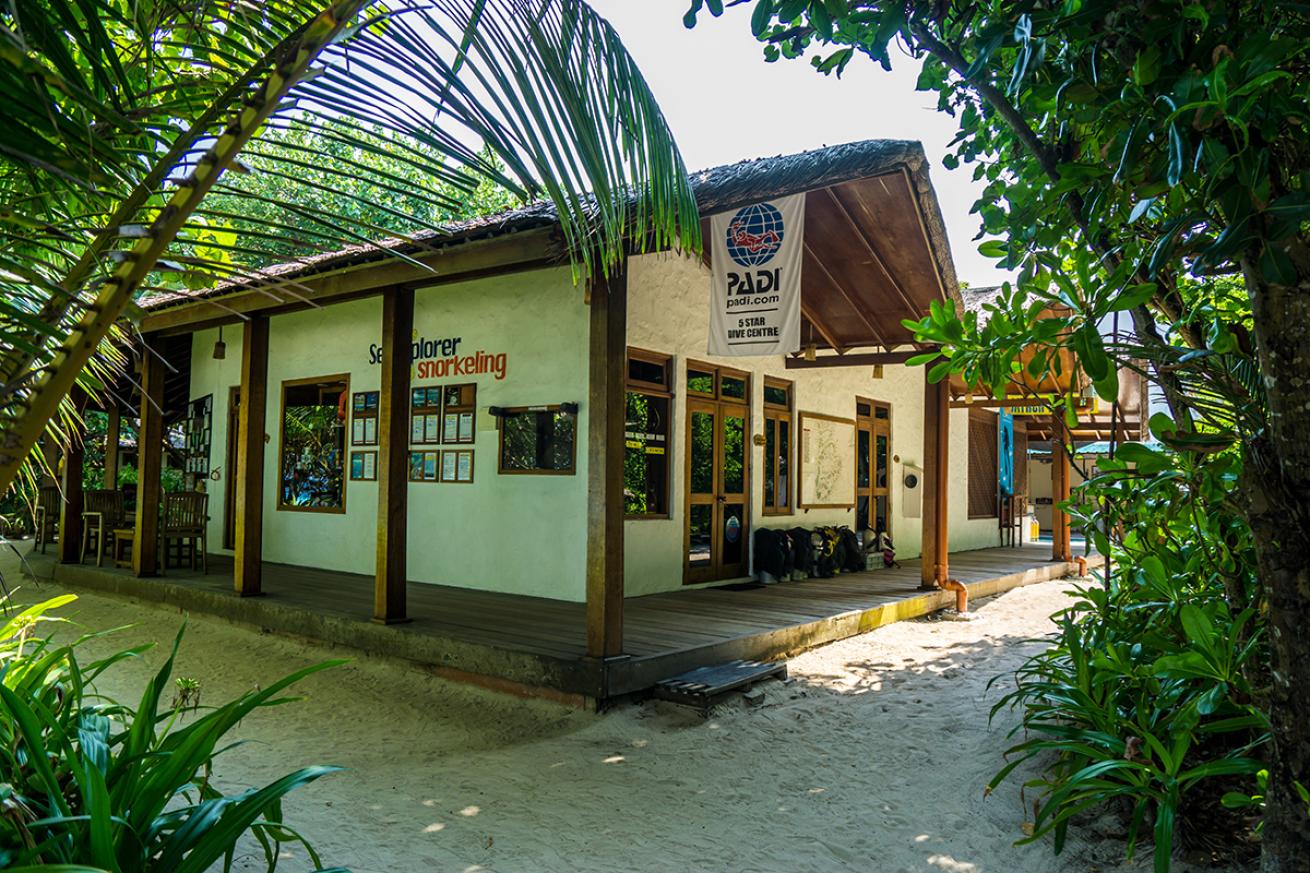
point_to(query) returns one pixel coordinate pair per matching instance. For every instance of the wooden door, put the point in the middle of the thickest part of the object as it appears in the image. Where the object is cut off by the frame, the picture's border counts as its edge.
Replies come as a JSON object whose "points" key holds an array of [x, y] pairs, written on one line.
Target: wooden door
{"points": [[230, 468], [872, 466], [717, 489]]}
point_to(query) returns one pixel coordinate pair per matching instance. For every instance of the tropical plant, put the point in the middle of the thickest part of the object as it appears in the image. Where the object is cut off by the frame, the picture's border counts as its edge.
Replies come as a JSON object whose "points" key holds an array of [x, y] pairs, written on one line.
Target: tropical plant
{"points": [[91, 784], [1149, 694], [126, 115], [372, 189], [1136, 159]]}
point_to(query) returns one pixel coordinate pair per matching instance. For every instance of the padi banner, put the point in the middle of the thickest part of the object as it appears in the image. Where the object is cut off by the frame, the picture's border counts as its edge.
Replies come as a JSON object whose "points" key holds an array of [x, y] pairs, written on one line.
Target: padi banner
{"points": [[755, 298]]}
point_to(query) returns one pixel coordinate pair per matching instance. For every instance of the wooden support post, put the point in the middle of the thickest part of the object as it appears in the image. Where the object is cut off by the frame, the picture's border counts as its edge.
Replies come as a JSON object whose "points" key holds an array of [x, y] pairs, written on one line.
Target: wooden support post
{"points": [[149, 466], [70, 517], [1061, 545], [934, 563], [605, 417], [112, 432], [247, 574], [389, 602]]}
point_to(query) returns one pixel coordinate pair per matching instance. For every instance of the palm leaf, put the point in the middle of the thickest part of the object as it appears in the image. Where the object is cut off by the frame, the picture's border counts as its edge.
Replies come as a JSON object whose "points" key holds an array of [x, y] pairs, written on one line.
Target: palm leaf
{"points": [[538, 97]]}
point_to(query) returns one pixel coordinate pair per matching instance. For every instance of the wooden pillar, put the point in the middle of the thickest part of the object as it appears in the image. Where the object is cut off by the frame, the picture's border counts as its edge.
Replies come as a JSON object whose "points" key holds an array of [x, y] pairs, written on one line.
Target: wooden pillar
{"points": [[112, 431], [1061, 546], [606, 410], [389, 584], [149, 466], [934, 563], [247, 576], [70, 512]]}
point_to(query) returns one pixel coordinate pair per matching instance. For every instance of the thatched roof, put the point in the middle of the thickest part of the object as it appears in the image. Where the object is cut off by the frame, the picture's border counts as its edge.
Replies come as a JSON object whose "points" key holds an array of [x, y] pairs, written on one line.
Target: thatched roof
{"points": [[717, 190]]}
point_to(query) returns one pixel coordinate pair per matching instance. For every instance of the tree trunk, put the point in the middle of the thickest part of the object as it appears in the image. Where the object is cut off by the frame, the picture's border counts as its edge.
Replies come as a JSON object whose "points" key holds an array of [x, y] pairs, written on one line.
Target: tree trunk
{"points": [[1280, 523]]}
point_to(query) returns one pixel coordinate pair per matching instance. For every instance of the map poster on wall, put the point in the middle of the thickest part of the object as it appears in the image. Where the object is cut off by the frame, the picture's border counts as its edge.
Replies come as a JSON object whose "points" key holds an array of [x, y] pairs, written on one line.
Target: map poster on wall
{"points": [[755, 295], [827, 462]]}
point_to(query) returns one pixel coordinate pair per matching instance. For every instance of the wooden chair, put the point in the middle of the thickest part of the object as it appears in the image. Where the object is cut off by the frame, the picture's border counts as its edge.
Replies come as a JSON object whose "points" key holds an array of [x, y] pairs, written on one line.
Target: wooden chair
{"points": [[183, 524], [46, 515], [104, 513]]}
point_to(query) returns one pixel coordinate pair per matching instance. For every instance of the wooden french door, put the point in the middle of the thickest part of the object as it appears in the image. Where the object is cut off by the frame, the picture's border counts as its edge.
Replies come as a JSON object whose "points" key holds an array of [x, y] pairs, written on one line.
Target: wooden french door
{"points": [[873, 422], [718, 485]]}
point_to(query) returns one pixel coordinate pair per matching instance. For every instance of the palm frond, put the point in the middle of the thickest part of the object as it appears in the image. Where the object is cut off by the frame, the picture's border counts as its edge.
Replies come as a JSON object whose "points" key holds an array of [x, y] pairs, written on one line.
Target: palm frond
{"points": [[532, 97]]}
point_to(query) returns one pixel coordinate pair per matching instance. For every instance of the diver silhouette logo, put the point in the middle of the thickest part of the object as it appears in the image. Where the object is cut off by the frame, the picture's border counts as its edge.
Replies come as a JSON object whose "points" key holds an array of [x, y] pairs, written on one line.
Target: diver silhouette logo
{"points": [[755, 234]]}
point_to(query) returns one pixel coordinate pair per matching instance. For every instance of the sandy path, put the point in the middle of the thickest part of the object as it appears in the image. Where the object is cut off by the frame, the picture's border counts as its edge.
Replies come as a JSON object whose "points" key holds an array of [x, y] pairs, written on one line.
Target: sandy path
{"points": [[873, 757]]}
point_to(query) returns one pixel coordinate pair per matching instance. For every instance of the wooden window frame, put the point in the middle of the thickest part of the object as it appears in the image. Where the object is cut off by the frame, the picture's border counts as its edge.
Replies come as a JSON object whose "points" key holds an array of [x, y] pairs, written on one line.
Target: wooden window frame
{"points": [[992, 418], [500, 442], [344, 379], [651, 389], [776, 412], [719, 372], [700, 367], [647, 356]]}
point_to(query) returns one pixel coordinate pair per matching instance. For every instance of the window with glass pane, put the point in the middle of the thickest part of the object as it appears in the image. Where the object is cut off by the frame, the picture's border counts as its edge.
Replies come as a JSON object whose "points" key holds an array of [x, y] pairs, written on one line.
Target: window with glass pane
{"points": [[312, 464], [734, 454], [646, 455], [777, 447], [700, 382], [648, 369], [537, 441], [732, 386], [776, 395]]}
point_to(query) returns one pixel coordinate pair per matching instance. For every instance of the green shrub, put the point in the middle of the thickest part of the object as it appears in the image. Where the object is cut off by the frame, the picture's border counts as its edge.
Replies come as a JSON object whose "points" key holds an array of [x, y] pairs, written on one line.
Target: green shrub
{"points": [[93, 784], [1147, 698]]}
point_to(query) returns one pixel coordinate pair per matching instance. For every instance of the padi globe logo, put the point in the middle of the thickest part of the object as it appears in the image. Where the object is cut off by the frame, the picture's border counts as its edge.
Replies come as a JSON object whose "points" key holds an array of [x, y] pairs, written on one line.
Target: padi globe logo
{"points": [[755, 234], [753, 237]]}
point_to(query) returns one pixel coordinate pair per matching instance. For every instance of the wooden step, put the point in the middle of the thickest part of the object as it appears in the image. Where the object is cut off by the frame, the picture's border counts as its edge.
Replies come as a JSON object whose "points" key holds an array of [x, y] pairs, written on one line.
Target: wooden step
{"points": [[701, 687]]}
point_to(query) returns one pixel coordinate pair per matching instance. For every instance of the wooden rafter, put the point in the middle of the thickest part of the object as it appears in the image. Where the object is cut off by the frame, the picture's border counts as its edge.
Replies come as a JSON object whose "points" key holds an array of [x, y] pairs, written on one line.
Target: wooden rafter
{"points": [[862, 359], [872, 252], [817, 324], [845, 295]]}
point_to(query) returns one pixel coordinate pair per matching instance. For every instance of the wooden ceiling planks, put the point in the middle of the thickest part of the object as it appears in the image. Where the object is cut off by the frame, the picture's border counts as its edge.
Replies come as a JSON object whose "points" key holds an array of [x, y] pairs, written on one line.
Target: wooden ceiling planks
{"points": [[864, 275]]}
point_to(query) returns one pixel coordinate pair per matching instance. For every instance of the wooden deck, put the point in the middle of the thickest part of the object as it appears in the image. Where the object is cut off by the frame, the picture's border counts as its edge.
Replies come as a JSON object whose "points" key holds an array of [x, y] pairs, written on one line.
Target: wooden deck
{"points": [[534, 643]]}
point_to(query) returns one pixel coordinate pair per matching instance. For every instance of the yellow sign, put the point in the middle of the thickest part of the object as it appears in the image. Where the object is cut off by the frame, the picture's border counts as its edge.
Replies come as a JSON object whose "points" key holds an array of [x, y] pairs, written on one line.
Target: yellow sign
{"points": [[1086, 406]]}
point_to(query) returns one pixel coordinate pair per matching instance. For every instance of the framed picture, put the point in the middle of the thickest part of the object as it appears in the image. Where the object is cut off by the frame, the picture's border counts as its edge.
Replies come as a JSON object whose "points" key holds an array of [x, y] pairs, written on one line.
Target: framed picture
{"points": [[198, 434], [364, 425], [457, 465], [364, 466]]}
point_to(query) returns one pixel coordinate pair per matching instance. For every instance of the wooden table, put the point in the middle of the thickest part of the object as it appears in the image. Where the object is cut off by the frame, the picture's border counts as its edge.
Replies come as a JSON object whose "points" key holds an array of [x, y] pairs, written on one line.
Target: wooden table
{"points": [[124, 543]]}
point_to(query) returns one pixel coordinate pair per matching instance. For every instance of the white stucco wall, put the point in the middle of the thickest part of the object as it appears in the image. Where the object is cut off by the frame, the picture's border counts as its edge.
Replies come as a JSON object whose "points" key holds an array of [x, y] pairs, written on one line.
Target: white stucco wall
{"points": [[522, 534], [209, 376], [526, 534], [965, 533], [667, 306], [1040, 485]]}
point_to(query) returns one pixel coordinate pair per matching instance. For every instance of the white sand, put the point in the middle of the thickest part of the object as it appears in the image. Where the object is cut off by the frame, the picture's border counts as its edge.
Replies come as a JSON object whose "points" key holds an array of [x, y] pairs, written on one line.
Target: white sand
{"points": [[872, 758]]}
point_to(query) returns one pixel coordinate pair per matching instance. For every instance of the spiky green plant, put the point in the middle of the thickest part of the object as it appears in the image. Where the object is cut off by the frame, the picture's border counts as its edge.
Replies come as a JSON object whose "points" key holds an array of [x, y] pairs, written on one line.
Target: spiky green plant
{"points": [[91, 784]]}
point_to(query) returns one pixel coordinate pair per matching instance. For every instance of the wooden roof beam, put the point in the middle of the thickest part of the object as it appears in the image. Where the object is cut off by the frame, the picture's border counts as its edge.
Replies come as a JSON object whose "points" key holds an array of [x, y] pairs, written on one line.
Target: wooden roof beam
{"points": [[861, 359]]}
